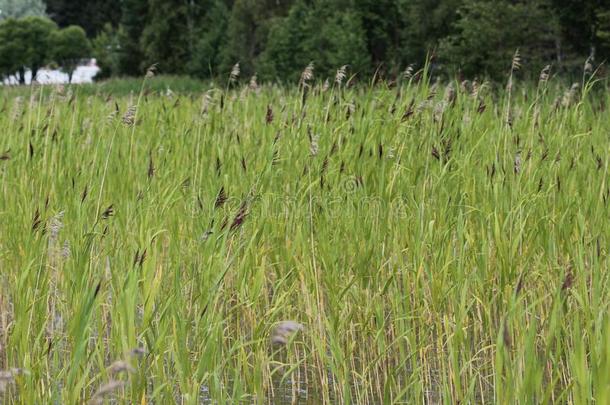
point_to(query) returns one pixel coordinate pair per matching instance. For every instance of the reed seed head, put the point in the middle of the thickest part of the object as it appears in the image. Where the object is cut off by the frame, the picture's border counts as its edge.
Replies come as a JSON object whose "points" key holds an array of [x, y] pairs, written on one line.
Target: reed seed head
{"points": [[282, 331], [234, 75]]}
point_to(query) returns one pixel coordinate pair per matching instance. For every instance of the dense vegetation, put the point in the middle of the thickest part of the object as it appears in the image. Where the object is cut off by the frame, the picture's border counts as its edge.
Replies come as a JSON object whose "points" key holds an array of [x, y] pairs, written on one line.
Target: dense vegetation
{"points": [[276, 38], [33, 42], [426, 242]]}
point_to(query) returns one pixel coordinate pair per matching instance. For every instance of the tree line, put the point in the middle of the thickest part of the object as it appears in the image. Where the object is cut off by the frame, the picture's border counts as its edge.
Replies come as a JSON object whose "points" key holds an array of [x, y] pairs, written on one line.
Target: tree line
{"points": [[30, 43], [276, 39]]}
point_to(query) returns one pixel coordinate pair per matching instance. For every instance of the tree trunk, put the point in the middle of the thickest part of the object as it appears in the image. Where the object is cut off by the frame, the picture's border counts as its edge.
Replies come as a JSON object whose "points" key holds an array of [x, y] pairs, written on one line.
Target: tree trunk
{"points": [[21, 75], [34, 74], [558, 50]]}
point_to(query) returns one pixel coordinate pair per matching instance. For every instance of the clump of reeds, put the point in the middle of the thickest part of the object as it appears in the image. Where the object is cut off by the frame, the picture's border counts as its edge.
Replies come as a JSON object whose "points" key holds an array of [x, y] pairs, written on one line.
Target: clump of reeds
{"points": [[17, 108], [150, 72], [340, 75], [450, 94], [7, 378], [121, 366], [325, 86], [253, 84], [105, 390], [407, 74], [54, 227], [116, 369], [313, 142], [514, 67], [129, 118], [544, 76], [571, 95], [306, 76], [588, 68], [206, 102], [234, 74]]}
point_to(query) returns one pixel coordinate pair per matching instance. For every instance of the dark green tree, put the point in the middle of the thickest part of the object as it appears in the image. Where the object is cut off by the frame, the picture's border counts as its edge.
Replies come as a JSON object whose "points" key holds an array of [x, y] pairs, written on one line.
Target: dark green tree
{"points": [[489, 32], [277, 38], [36, 42], [329, 33], [339, 40], [70, 45], [210, 38], [12, 58], [603, 31], [424, 24], [92, 15], [133, 20], [382, 25], [285, 55], [25, 43], [166, 37], [248, 30], [106, 49], [578, 24]]}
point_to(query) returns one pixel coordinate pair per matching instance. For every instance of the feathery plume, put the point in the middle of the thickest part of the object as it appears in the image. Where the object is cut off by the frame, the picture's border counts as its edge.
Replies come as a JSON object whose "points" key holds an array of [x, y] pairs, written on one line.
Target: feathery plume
{"points": [[121, 366], [569, 97], [66, 252], [129, 118], [476, 89], [114, 113], [150, 72], [449, 97], [313, 145], [55, 225], [307, 75], [326, 86], [516, 62], [465, 86], [106, 390], [234, 75], [7, 377], [341, 74], [137, 351], [544, 75], [206, 101], [588, 69], [518, 163], [253, 85], [283, 330], [17, 108], [408, 72], [434, 88]]}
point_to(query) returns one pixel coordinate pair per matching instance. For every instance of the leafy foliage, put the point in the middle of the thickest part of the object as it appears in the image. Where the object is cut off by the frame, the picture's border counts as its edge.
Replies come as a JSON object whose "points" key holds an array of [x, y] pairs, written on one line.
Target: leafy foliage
{"points": [[91, 15], [487, 34], [275, 39], [36, 42], [21, 8], [12, 58], [70, 45]]}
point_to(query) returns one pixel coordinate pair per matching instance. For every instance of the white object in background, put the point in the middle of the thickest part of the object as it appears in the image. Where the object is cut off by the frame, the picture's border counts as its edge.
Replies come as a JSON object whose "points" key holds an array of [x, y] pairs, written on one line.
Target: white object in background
{"points": [[82, 74]]}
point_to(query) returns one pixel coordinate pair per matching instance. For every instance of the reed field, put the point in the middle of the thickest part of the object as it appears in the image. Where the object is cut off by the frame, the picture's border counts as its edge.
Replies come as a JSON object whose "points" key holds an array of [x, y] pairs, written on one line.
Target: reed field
{"points": [[408, 242]]}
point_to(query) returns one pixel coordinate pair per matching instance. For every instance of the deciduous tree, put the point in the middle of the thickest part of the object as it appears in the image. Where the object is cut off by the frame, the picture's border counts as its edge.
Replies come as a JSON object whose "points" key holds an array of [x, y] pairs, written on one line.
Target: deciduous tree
{"points": [[70, 45]]}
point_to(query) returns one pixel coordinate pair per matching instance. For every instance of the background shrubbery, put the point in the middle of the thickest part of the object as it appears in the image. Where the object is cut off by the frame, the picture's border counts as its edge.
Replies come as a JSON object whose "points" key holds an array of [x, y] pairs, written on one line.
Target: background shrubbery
{"points": [[276, 39], [33, 42]]}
